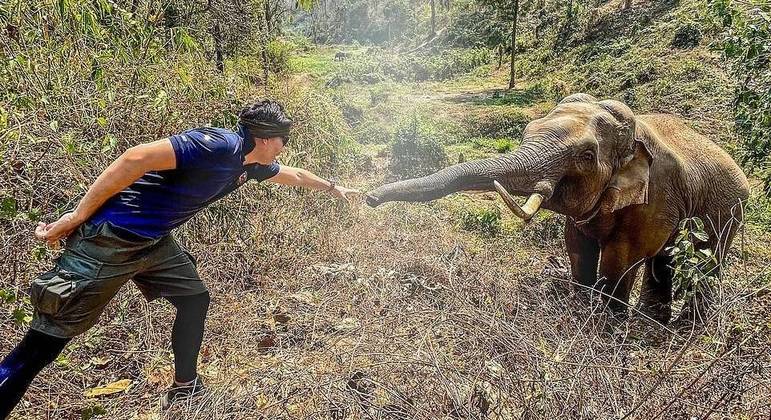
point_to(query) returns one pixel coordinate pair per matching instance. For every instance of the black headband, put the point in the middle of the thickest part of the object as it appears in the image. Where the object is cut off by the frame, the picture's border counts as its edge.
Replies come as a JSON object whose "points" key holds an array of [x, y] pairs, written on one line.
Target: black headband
{"points": [[264, 129]]}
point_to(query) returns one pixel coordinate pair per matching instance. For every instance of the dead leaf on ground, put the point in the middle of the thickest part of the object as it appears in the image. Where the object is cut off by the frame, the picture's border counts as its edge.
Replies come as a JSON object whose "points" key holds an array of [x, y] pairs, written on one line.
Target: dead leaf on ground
{"points": [[109, 389]]}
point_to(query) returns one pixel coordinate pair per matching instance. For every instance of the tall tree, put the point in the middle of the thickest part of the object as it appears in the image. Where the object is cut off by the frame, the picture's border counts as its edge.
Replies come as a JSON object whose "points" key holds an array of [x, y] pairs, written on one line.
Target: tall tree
{"points": [[433, 19], [512, 75], [508, 11]]}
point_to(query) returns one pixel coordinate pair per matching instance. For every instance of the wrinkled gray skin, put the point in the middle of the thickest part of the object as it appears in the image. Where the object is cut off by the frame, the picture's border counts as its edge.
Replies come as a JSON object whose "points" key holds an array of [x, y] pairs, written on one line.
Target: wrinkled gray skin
{"points": [[623, 181]]}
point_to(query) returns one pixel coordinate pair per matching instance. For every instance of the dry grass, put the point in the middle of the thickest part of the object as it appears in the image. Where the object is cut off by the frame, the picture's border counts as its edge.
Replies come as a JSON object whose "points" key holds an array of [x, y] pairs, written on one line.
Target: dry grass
{"points": [[324, 312], [320, 312]]}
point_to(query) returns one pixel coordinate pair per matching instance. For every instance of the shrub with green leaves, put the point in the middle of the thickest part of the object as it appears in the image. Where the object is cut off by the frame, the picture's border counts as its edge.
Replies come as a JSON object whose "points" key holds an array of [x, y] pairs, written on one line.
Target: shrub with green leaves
{"points": [[503, 145], [745, 29], [279, 51], [374, 68], [484, 220], [414, 151], [695, 267], [505, 122]]}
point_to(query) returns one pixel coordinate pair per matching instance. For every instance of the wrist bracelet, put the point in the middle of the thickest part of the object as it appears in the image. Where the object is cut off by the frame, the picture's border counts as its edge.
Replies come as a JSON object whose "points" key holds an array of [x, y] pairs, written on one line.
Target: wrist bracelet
{"points": [[331, 186]]}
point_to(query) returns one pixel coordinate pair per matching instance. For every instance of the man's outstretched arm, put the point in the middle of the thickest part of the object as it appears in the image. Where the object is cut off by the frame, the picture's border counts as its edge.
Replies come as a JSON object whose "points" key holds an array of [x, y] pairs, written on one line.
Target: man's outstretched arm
{"points": [[288, 175], [130, 166]]}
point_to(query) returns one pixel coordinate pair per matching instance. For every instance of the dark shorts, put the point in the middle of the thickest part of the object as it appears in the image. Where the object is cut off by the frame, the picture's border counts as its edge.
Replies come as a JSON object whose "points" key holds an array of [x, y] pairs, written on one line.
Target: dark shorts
{"points": [[94, 265]]}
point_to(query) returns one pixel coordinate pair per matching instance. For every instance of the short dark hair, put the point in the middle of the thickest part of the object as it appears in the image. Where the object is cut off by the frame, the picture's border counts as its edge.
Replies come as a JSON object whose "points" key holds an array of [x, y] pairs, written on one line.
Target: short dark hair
{"points": [[265, 118]]}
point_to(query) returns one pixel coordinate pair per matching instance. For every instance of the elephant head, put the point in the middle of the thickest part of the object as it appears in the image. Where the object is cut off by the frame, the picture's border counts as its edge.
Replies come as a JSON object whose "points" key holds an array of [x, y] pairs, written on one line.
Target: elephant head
{"points": [[582, 158]]}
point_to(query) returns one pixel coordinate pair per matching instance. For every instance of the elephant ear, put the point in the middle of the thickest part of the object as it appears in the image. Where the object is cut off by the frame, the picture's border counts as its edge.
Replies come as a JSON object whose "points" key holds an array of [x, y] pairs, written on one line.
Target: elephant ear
{"points": [[629, 186], [621, 127]]}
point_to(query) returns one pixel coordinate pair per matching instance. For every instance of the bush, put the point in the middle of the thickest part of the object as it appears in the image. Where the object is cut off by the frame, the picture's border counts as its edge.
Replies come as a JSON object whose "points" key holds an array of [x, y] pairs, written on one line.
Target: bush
{"points": [[373, 133], [414, 152], [455, 62], [686, 36], [497, 123], [374, 68], [483, 220], [746, 36], [503, 145], [278, 54], [695, 267]]}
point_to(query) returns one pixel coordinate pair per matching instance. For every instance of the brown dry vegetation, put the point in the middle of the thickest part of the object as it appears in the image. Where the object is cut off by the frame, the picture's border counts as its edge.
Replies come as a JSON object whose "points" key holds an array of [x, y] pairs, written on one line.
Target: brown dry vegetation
{"points": [[324, 311], [319, 312]]}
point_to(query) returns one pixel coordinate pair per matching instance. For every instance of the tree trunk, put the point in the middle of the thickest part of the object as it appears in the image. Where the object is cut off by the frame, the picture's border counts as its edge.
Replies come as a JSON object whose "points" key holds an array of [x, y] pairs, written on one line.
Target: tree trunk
{"points": [[218, 54], [433, 19], [627, 4], [512, 79], [268, 19], [265, 65], [219, 59], [265, 58], [500, 55]]}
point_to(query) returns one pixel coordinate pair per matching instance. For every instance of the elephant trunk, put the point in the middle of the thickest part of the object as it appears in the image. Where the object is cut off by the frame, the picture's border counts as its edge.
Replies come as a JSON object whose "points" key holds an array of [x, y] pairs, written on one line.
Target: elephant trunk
{"points": [[520, 173], [474, 175]]}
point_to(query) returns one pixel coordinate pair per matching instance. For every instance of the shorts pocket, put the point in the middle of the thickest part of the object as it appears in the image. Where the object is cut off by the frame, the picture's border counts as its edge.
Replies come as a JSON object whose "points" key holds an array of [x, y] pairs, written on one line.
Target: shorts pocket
{"points": [[79, 263], [50, 292]]}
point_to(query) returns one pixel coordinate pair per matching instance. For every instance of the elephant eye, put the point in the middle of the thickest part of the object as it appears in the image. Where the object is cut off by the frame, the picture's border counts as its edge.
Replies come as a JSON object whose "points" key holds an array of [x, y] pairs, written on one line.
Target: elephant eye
{"points": [[588, 155]]}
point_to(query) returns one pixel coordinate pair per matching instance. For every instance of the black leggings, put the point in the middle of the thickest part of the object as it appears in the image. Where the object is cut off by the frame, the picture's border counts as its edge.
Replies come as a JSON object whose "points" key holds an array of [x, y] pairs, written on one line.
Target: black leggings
{"points": [[36, 350], [187, 333], [20, 367]]}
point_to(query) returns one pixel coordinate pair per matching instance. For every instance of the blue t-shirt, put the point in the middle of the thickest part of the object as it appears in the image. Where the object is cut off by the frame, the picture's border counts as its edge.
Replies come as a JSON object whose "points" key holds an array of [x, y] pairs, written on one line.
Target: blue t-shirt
{"points": [[210, 164]]}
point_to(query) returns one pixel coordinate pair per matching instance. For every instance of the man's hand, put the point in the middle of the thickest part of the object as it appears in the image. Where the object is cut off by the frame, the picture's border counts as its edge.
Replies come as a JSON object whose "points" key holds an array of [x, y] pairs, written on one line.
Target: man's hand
{"points": [[60, 229], [344, 193], [288, 175]]}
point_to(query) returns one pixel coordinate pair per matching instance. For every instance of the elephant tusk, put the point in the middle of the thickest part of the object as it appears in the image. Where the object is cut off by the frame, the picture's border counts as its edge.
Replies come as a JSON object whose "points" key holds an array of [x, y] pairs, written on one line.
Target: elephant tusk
{"points": [[532, 205]]}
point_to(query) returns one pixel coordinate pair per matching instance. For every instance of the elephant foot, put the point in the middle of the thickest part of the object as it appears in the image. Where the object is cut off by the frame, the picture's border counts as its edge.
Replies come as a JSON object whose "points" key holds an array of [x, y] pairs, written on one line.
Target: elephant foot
{"points": [[616, 314], [659, 313]]}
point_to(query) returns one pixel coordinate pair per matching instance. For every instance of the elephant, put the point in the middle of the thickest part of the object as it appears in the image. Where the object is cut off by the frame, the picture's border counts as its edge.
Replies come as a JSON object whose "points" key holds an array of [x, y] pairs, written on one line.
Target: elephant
{"points": [[624, 183]]}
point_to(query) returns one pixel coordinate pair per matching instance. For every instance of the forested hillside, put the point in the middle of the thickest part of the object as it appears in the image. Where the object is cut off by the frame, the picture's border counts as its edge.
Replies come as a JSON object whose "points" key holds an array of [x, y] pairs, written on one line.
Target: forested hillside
{"points": [[449, 309]]}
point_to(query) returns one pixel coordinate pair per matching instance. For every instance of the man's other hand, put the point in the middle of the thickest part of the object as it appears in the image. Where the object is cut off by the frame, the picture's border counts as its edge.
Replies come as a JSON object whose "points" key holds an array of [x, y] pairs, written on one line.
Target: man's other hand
{"points": [[60, 229]]}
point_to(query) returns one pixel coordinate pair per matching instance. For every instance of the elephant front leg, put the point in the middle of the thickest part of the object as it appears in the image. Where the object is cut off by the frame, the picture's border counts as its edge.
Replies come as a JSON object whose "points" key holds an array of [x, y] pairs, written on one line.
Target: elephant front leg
{"points": [[584, 254], [656, 290], [619, 264]]}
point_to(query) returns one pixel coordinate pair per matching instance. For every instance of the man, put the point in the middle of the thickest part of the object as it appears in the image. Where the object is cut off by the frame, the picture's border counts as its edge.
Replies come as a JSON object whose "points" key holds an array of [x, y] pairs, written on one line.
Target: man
{"points": [[120, 230]]}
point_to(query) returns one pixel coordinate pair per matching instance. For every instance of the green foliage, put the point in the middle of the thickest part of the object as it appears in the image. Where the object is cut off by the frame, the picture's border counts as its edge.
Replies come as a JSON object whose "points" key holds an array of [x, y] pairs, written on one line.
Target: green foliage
{"points": [[746, 44], [450, 63], [7, 296], [475, 25], [503, 145], [279, 51], [93, 411], [414, 151], [373, 133], [361, 21], [314, 64], [695, 266], [21, 316], [484, 220], [506, 122], [527, 96], [758, 211], [8, 209], [321, 138], [686, 36]]}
